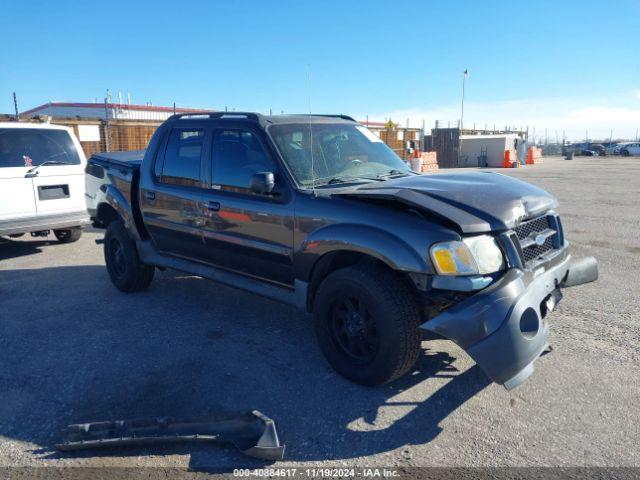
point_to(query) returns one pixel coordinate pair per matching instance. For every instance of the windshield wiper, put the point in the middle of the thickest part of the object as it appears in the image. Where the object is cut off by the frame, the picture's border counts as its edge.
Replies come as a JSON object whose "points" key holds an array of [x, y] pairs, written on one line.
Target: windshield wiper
{"points": [[394, 173], [48, 162], [338, 179], [391, 173]]}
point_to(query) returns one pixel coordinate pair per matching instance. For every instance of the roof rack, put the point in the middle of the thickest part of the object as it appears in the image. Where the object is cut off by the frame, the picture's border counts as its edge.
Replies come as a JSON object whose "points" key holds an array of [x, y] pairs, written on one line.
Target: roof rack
{"points": [[344, 117], [255, 117], [251, 116]]}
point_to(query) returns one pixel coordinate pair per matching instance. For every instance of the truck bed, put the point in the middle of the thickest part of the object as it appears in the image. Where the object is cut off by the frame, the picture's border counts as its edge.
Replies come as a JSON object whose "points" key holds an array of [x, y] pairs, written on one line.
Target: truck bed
{"points": [[131, 159], [112, 172]]}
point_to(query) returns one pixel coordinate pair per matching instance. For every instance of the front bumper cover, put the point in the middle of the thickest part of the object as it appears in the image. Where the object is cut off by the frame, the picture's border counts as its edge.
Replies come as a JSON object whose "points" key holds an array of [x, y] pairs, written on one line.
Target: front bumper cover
{"points": [[503, 327]]}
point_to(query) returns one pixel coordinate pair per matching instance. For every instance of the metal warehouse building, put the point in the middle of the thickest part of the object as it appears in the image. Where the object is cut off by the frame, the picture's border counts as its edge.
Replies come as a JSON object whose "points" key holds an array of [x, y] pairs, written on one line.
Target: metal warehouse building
{"points": [[102, 111], [106, 126]]}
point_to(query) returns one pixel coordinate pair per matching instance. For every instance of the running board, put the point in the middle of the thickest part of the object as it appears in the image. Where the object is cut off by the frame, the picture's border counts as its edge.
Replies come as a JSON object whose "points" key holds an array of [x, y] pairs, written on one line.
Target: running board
{"points": [[149, 255]]}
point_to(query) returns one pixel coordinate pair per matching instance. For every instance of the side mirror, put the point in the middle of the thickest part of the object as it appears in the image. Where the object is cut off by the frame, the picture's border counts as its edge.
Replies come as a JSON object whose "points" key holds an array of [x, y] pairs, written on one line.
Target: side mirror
{"points": [[262, 183]]}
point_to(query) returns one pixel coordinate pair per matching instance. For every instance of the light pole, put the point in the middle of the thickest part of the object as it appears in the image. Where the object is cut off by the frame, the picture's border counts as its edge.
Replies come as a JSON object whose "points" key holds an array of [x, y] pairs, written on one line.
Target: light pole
{"points": [[464, 81]]}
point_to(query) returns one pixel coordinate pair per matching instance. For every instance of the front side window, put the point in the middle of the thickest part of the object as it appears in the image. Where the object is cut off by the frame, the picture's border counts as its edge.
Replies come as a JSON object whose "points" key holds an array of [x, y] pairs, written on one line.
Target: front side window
{"points": [[339, 152], [236, 156], [28, 147], [182, 157]]}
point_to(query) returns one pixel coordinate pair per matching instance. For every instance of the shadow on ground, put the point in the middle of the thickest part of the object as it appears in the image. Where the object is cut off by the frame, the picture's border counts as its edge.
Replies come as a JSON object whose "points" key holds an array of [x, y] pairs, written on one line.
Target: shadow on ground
{"points": [[77, 350], [10, 248]]}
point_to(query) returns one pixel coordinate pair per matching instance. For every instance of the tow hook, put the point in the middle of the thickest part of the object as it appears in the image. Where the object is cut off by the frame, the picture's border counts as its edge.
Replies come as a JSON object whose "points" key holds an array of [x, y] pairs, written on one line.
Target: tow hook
{"points": [[550, 302]]}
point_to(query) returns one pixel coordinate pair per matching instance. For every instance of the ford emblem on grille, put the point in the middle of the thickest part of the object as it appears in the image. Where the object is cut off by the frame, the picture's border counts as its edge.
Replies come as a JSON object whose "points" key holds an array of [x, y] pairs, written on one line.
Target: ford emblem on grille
{"points": [[539, 239]]}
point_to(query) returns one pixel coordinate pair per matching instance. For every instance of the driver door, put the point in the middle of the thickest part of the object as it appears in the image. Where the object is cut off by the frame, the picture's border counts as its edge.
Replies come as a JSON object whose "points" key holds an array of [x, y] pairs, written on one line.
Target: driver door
{"points": [[248, 233]]}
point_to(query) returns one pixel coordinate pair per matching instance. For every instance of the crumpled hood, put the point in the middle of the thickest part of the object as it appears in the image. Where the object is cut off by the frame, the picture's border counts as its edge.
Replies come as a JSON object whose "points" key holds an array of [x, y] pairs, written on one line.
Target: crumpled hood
{"points": [[475, 201]]}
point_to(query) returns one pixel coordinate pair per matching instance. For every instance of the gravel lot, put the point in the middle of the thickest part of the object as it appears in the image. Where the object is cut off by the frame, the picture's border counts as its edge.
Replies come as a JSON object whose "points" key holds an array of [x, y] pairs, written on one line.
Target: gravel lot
{"points": [[74, 349]]}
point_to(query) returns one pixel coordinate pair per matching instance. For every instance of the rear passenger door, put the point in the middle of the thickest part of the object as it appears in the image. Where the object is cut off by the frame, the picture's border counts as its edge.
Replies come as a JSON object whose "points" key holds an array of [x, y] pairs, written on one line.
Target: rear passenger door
{"points": [[171, 209], [246, 232], [58, 188], [16, 189]]}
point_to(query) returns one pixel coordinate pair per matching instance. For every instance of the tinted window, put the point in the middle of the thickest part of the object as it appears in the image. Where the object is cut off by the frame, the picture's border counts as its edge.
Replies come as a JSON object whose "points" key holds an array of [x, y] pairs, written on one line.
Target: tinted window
{"points": [[181, 164], [237, 155], [26, 147]]}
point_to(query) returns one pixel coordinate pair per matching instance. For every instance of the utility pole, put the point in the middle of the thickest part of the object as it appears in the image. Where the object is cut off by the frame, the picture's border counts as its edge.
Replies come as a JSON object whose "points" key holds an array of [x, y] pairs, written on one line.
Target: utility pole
{"points": [[464, 81], [107, 134], [15, 106]]}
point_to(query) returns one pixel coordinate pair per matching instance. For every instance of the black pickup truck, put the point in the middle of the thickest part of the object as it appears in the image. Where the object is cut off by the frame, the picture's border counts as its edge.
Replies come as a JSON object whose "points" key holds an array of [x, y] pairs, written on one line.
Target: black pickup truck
{"points": [[317, 212]]}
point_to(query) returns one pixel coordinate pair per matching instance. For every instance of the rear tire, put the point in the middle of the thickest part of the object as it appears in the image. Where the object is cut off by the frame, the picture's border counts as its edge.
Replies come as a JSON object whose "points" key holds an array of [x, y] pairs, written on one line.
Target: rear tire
{"points": [[68, 235], [125, 269], [376, 341]]}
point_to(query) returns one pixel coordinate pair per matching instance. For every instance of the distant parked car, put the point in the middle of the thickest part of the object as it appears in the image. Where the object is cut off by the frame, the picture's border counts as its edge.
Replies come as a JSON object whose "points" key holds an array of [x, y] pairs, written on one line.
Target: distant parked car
{"points": [[589, 153], [630, 149], [41, 181], [597, 148], [612, 149]]}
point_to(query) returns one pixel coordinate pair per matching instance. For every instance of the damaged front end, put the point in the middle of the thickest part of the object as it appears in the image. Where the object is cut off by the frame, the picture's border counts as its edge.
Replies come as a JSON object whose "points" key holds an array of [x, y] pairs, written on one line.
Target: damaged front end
{"points": [[503, 326]]}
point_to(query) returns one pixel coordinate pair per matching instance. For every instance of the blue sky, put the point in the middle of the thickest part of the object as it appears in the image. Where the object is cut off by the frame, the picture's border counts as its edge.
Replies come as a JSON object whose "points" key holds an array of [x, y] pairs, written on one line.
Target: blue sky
{"points": [[560, 65]]}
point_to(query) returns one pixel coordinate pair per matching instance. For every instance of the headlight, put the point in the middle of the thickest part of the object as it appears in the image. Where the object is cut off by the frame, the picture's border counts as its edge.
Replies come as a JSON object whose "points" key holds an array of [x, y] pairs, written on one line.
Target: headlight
{"points": [[487, 253], [471, 256]]}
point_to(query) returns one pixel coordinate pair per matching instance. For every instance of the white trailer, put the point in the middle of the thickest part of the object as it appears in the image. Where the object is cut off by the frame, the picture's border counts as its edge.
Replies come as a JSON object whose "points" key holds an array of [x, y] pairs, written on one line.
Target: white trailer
{"points": [[488, 150]]}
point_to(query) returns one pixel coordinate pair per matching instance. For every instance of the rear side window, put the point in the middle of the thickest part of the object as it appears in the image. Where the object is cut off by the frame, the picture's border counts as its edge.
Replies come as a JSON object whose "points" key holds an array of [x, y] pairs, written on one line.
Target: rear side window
{"points": [[181, 164], [27, 147], [237, 156]]}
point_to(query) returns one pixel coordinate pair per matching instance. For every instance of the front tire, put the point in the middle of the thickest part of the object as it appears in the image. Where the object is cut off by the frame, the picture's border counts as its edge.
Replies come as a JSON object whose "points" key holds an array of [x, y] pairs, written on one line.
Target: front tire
{"points": [[125, 269], [68, 235], [366, 322]]}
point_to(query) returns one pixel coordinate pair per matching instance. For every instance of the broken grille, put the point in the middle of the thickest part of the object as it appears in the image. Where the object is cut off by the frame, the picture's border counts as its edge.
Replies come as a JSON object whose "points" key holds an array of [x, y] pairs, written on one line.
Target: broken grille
{"points": [[536, 237]]}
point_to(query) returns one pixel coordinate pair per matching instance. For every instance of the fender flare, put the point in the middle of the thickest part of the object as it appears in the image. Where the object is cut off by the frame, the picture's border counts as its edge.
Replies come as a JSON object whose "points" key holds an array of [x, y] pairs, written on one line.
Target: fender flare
{"points": [[377, 243], [116, 200]]}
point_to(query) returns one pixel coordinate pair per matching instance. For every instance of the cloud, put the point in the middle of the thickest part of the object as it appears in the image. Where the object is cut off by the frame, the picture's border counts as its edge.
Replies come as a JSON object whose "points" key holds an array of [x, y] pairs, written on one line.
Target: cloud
{"points": [[637, 94], [573, 116]]}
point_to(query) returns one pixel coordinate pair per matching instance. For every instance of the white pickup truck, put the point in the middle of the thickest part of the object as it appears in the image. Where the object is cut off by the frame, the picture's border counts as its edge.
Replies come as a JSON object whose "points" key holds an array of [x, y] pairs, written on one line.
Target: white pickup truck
{"points": [[41, 181]]}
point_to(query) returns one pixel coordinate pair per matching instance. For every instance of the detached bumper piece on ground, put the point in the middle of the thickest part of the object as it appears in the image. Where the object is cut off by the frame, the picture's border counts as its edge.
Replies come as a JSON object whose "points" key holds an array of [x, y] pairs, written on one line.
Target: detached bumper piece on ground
{"points": [[252, 433]]}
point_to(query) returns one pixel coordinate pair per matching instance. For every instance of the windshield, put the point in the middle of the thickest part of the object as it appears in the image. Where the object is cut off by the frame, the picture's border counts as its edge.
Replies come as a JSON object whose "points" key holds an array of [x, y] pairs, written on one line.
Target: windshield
{"points": [[341, 152], [28, 147]]}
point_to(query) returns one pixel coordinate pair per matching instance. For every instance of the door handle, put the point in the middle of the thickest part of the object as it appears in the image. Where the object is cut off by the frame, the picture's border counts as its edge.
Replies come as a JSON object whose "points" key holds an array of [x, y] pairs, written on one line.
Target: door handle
{"points": [[213, 206], [150, 195]]}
